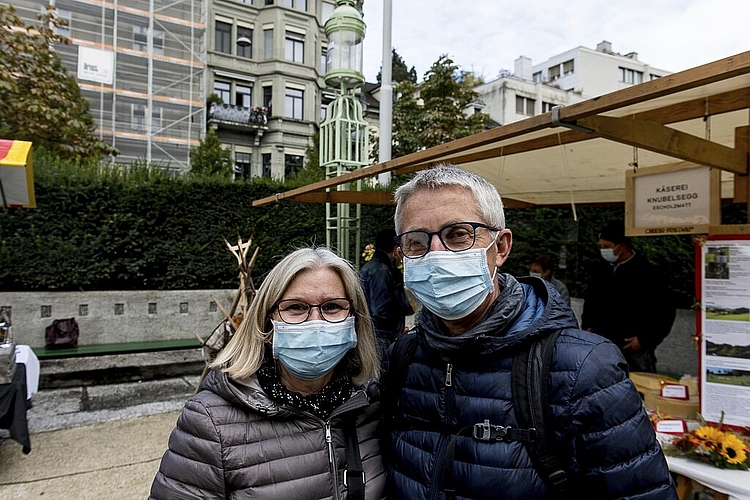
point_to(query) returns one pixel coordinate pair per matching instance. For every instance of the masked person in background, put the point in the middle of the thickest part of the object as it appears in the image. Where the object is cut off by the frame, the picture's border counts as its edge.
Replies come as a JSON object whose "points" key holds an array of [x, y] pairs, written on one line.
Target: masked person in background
{"points": [[627, 300], [541, 267], [383, 285], [475, 320], [283, 412]]}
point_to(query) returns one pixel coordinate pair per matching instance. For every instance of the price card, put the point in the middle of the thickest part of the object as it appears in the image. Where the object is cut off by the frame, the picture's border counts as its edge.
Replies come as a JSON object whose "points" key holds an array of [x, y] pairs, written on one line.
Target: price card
{"points": [[675, 391], [671, 426]]}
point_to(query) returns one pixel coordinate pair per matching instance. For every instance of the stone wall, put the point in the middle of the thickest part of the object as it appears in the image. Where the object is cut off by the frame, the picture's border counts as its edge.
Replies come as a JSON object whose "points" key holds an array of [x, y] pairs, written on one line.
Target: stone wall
{"points": [[117, 316]]}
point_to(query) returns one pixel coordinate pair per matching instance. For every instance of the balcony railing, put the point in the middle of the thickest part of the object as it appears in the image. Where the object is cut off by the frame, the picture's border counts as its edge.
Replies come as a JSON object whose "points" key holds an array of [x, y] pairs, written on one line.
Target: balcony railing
{"points": [[231, 115]]}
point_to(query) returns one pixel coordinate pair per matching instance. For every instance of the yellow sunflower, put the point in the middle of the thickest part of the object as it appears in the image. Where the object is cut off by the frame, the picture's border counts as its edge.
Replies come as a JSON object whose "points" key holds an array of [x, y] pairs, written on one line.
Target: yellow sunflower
{"points": [[733, 449], [711, 436]]}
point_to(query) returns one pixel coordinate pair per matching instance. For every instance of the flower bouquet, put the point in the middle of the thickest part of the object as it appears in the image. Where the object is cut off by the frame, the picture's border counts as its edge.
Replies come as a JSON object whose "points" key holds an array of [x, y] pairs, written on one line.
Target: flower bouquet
{"points": [[717, 446], [369, 252]]}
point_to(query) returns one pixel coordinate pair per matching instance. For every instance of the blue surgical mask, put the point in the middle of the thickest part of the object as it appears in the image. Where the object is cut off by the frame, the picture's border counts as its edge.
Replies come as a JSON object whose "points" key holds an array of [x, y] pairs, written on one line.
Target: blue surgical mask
{"points": [[450, 284], [608, 254], [311, 349]]}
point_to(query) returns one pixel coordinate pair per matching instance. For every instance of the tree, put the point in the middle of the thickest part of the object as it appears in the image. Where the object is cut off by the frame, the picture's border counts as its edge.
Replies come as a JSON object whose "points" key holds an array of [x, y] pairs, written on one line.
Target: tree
{"points": [[39, 101], [209, 159], [432, 112], [399, 70]]}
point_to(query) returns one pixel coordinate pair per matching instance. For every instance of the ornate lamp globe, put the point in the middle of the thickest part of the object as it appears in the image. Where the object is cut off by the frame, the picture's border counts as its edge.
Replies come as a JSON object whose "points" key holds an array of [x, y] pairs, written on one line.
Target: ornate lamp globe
{"points": [[346, 33]]}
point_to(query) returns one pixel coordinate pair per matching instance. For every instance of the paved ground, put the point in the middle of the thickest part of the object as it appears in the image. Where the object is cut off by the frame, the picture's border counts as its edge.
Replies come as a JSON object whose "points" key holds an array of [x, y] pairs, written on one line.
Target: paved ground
{"points": [[111, 451]]}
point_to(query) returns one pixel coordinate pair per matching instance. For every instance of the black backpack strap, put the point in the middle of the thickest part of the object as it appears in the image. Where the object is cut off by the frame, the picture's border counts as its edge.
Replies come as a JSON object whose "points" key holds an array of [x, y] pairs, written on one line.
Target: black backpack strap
{"points": [[398, 363], [354, 475], [531, 402]]}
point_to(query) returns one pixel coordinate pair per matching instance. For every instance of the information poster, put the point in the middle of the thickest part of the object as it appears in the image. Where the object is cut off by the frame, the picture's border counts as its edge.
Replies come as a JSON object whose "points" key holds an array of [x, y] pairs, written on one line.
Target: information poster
{"points": [[725, 326]]}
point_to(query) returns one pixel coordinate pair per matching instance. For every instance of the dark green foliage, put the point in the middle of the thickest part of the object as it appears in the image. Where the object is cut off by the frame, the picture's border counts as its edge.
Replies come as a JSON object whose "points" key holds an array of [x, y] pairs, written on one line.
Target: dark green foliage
{"points": [[210, 159], [399, 71]]}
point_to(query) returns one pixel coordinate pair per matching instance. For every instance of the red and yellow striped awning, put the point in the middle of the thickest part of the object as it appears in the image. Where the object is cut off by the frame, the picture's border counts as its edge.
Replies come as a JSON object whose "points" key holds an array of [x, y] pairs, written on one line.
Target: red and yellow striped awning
{"points": [[16, 174]]}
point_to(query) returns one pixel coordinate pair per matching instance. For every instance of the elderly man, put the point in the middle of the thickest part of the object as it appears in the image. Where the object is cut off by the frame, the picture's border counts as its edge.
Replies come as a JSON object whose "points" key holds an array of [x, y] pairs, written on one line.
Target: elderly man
{"points": [[451, 231]]}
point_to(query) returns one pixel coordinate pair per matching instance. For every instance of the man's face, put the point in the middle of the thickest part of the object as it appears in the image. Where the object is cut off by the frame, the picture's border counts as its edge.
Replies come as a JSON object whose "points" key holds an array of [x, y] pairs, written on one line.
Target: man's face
{"points": [[431, 210], [537, 269]]}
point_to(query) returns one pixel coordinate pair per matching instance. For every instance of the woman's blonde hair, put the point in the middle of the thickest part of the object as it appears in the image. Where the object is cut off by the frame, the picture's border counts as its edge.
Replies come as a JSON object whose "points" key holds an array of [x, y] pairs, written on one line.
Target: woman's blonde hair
{"points": [[244, 354]]}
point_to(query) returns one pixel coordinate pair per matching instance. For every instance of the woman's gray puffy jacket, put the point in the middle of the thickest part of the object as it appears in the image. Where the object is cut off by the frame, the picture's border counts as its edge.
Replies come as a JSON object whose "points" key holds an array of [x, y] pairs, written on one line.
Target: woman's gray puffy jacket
{"points": [[237, 443]]}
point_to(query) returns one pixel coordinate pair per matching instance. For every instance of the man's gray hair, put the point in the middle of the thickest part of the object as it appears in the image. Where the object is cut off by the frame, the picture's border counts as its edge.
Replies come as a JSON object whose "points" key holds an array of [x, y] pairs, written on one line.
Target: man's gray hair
{"points": [[488, 201]]}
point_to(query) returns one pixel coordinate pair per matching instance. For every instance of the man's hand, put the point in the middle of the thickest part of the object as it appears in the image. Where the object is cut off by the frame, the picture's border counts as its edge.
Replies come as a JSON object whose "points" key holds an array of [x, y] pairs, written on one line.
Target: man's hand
{"points": [[632, 343]]}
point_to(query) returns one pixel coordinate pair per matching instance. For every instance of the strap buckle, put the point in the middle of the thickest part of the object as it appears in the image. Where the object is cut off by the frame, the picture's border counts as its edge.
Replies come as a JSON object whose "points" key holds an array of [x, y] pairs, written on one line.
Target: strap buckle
{"points": [[346, 477], [487, 432]]}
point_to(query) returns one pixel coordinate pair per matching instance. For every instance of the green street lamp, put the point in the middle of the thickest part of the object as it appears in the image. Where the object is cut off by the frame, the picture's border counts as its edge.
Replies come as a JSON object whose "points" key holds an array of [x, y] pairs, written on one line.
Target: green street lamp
{"points": [[343, 134]]}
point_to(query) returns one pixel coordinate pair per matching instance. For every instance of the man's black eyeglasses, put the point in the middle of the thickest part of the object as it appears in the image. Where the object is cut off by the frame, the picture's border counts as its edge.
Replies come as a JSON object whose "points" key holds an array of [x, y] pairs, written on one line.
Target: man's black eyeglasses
{"points": [[455, 237]]}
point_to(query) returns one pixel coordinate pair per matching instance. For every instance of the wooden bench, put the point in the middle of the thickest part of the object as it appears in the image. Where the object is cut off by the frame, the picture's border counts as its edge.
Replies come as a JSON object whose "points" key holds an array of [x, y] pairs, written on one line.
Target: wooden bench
{"points": [[117, 348]]}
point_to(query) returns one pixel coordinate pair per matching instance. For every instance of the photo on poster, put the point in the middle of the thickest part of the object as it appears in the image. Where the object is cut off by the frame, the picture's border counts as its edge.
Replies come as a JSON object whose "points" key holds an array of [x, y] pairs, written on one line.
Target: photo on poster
{"points": [[719, 312], [717, 263], [728, 376]]}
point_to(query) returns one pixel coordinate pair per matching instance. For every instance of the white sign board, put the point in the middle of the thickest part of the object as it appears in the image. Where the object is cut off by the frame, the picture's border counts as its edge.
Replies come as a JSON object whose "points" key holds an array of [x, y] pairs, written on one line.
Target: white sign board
{"points": [[95, 65], [669, 200]]}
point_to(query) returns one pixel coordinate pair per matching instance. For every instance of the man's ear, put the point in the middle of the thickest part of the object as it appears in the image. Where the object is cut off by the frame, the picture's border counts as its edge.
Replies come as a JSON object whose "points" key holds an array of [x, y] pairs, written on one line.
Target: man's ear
{"points": [[503, 243]]}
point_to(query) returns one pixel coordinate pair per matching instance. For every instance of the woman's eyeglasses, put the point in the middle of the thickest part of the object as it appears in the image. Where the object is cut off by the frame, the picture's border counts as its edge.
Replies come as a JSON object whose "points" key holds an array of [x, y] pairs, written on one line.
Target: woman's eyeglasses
{"points": [[296, 311]]}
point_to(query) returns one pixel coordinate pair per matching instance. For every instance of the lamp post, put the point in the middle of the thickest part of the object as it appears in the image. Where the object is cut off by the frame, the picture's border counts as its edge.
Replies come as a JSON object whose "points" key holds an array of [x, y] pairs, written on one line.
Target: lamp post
{"points": [[343, 134]]}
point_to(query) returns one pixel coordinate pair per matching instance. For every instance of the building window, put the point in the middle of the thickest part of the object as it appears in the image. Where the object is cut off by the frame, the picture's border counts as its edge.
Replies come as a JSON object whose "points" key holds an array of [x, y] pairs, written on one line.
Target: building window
{"points": [[631, 76], [293, 164], [243, 96], [119, 309], [184, 308], [46, 311], [553, 73], [242, 164], [525, 105], [323, 111], [138, 118], [547, 106], [83, 309], [269, 2], [268, 44], [268, 98], [537, 77], [568, 67], [293, 99], [223, 40], [152, 307], [140, 39], [223, 90], [324, 60], [245, 50], [295, 47], [296, 4], [266, 157]]}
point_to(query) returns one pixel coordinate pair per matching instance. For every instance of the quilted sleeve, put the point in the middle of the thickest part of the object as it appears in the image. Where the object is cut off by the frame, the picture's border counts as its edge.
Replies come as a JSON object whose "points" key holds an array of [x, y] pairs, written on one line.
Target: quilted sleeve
{"points": [[616, 451], [192, 466]]}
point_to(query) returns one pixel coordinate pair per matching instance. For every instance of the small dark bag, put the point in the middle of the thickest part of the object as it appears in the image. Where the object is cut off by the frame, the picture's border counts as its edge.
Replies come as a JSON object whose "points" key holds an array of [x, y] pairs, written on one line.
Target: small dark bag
{"points": [[62, 334]]}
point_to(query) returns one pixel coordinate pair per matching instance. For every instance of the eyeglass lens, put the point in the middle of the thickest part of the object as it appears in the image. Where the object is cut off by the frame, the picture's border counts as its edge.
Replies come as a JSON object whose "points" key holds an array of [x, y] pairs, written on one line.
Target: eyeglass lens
{"points": [[455, 237], [296, 311]]}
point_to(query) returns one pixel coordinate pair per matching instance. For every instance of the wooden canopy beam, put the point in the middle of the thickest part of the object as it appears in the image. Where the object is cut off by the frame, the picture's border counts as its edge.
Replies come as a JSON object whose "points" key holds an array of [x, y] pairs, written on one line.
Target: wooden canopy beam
{"points": [[668, 141]]}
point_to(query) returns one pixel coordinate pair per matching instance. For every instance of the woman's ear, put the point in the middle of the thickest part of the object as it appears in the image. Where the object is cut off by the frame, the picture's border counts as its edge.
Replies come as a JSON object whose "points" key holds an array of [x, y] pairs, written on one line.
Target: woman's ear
{"points": [[503, 243]]}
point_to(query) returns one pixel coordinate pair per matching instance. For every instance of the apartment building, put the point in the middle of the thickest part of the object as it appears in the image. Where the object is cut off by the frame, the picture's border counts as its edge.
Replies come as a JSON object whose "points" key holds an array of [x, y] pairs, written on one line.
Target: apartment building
{"points": [[578, 74], [141, 65]]}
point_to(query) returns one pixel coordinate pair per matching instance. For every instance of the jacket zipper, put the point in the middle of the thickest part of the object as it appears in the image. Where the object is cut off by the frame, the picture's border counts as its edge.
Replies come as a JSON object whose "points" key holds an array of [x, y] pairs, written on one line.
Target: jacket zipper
{"points": [[332, 460], [437, 474]]}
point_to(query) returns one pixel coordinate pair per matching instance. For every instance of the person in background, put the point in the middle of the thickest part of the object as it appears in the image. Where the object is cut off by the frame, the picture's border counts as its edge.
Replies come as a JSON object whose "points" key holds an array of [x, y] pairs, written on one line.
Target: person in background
{"points": [[452, 234], [283, 412], [627, 300], [541, 267], [383, 285]]}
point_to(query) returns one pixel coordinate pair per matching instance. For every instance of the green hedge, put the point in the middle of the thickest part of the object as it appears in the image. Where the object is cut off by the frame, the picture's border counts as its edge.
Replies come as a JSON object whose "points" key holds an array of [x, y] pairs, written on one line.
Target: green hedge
{"points": [[144, 230]]}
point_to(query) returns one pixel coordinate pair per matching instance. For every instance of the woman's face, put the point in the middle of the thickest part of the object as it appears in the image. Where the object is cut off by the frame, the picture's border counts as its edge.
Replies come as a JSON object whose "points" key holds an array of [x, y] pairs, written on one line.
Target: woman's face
{"points": [[314, 286]]}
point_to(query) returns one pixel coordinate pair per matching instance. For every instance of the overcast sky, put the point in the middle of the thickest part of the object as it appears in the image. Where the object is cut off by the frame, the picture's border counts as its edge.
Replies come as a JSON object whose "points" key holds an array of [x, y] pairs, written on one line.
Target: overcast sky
{"points": [[486, 36]]}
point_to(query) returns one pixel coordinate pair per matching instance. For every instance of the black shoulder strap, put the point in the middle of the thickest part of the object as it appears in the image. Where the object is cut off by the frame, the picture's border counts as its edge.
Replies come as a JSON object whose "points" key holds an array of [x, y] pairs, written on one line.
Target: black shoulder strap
{"points": [[398, 363], [354, 475], [531, 403]]}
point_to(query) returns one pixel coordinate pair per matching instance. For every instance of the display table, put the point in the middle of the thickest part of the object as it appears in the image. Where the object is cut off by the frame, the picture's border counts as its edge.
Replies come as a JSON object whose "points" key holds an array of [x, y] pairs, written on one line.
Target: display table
{"points": [[15, 397], [728, 484]]}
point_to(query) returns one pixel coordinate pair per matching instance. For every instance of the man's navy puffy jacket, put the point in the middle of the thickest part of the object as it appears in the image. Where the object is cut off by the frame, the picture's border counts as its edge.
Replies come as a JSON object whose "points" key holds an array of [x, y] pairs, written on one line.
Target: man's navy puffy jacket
{"points": [[602, 431]]}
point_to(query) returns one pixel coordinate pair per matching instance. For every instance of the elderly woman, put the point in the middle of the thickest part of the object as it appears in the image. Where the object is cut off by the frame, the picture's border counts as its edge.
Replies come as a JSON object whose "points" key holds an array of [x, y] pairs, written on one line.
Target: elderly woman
{"points": [[283, 412]]}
